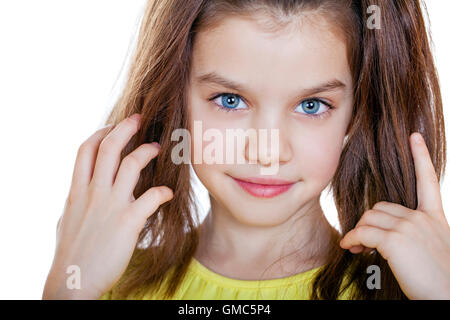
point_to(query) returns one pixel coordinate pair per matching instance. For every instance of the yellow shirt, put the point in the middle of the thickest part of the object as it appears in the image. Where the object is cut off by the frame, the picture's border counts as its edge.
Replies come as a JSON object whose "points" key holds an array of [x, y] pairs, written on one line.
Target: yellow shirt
{"points": [[200, 283]]}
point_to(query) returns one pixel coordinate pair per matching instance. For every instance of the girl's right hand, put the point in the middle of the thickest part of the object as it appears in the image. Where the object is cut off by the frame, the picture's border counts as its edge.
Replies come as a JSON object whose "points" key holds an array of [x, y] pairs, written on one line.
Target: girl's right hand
{"points": [[99, 229]]}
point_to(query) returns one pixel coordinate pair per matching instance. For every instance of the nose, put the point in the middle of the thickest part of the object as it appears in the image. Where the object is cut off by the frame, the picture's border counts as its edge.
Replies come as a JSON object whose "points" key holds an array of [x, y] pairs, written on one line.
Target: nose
{"points": [[272, 145]]}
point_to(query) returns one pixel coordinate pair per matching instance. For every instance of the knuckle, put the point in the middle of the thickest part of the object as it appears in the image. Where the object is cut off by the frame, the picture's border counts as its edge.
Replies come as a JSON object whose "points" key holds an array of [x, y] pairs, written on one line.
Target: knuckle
{"points": [[130, 122], [379, 205], [107, 145], [158, 194], [367, 215], [131, 162], [85, 147], [362, 221], [370, 213], [149, 150], [394, 237], [415, 214], [403, 226], [359, 231], [98, 190], [416, 217], [88, 145]]}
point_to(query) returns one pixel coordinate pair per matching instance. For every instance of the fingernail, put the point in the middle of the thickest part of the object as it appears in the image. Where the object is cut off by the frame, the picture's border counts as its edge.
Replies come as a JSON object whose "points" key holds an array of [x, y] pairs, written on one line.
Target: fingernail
{"points": [[354, 250], [156, 144], [135, 117], [417, 138]]}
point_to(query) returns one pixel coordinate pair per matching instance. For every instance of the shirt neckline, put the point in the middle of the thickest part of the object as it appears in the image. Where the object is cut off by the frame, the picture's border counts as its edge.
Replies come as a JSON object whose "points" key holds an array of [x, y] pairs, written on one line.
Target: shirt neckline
{"points": [[202, 270]]}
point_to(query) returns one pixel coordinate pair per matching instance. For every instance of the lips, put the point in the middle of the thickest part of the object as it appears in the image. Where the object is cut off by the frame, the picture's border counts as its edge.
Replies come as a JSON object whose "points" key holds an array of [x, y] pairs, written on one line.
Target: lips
{"points": [[264, 187]]}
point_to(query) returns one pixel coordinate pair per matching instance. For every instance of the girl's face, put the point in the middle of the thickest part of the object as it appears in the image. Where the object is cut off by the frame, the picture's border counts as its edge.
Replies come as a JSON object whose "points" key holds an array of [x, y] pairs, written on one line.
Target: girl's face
{"points": [[287, 80]]}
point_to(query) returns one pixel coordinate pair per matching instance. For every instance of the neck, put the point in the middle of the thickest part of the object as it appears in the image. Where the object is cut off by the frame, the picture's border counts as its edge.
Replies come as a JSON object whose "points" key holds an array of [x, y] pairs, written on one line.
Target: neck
{"points": [[298, 244]]}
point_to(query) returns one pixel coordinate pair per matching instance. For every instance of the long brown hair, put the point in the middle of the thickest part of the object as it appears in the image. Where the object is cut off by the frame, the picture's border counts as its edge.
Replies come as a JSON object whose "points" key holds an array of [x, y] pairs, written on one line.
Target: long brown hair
{"points": [[396, 92]]}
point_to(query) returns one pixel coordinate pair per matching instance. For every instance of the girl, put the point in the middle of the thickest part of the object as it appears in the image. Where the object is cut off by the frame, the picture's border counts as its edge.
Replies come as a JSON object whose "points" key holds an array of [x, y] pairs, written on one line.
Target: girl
{"points": [[348, 99]]}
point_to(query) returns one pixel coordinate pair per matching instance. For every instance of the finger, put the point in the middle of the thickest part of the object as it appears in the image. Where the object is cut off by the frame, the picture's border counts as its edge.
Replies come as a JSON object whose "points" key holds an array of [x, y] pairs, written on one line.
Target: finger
{"points": [[368, 236], [108, 158], [58, 224], [130, 169], [379, 219], [367, 250], [428, 189], [148, 203], [392, 208], [85, 160], [357, 249]]}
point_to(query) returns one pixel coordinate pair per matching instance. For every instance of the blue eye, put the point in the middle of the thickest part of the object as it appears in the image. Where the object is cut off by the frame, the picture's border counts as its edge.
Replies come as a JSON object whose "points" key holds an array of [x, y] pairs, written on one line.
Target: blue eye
{"points": [[312, 106], [232, 102], [228, 101]]}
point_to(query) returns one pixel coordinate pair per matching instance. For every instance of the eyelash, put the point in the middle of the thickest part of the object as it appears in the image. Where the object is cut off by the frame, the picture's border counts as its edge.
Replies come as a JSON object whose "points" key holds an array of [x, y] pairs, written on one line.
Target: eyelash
{"points": [[312, 116]]}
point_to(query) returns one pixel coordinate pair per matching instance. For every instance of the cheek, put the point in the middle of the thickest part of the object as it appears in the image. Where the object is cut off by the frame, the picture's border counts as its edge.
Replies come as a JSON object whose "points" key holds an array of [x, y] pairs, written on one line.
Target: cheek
{"points": [[208, 127], [319, 148], [207, 138], [201, 119], [318, 156]]}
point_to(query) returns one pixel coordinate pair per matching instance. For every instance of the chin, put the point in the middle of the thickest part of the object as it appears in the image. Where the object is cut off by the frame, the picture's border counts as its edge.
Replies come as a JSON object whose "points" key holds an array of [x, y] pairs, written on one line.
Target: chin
{"points": [[261, 218], [239, 204], [250, 210]]}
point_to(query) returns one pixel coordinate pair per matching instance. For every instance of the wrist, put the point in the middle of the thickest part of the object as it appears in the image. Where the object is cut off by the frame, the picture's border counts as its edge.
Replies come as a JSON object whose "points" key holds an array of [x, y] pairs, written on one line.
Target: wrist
{"points": [[56, 289]]}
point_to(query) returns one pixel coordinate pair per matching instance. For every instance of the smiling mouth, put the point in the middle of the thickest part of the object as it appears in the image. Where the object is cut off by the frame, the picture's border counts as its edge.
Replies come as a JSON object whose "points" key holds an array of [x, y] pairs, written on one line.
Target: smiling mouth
{"points": [[264, 187]]}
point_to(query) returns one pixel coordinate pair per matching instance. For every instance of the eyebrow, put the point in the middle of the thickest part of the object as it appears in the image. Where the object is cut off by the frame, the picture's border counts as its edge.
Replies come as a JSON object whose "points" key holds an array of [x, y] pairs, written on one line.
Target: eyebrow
{"points": [[215, 78]]}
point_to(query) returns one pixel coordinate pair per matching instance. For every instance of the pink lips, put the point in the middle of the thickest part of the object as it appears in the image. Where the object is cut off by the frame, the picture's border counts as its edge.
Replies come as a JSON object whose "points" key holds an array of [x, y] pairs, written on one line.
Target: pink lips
{"points": [[264, 187]]}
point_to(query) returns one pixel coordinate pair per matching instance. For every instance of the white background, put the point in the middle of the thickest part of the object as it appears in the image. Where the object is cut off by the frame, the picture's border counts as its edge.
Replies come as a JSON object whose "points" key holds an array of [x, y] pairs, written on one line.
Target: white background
{"points": [[61, 68]]}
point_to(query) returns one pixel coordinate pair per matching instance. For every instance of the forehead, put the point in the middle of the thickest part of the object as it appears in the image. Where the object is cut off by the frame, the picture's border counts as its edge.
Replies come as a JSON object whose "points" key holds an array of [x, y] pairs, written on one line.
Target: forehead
{"points": [[306, 52]]}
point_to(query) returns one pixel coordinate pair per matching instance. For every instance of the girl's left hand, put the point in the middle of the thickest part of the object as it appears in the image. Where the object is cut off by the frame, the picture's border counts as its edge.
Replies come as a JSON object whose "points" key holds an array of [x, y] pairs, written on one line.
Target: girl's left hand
{"points": [[415, 243]]}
